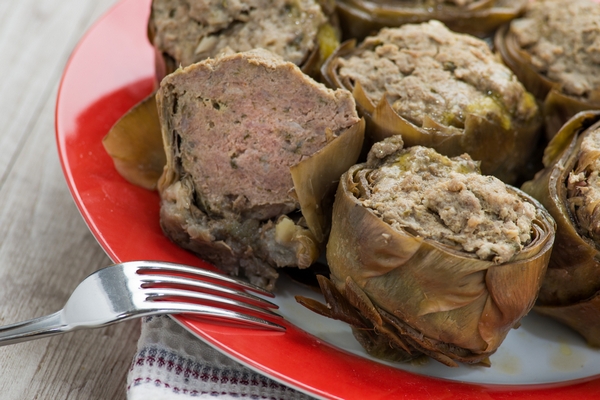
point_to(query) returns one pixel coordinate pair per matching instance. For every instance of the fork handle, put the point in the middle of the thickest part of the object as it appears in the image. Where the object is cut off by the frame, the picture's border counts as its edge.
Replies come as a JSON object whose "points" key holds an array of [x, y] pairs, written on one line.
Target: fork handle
{"points": [[37, 328]]}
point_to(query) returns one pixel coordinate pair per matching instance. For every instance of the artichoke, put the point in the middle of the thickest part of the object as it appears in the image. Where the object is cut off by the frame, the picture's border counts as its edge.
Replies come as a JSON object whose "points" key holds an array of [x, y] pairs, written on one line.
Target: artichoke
{"points": [[567, 187], [359, 18], [428, 256], [135, 145], [551, 50], [442, 90], [250, 175], [304, 32]]}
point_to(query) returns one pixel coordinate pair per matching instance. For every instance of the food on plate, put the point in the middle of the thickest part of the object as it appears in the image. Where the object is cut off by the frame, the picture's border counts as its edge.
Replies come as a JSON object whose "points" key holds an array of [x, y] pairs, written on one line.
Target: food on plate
{"points": [[135, 145], [254, 151], [428, 256], [443, 90], [569, 188], [554, 49], [188, 31], [360, 18]]}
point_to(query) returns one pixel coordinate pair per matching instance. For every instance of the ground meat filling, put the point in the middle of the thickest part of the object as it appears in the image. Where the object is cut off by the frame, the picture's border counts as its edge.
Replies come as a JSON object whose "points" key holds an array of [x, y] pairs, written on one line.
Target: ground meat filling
{"points": [[238, 135], [563, 39], [447, 200], [232, 127], [583, 187], [427, 70], [192, 30]]}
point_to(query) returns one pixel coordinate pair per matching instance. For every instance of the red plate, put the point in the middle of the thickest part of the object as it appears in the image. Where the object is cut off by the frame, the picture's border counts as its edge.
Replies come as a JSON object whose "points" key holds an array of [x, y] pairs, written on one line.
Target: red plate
{"points": [[112, 69]]}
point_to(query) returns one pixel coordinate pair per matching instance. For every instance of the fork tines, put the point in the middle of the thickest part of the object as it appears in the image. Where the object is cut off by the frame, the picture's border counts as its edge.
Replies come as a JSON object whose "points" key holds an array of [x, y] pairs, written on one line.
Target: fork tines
{"points": [[211, 293]]}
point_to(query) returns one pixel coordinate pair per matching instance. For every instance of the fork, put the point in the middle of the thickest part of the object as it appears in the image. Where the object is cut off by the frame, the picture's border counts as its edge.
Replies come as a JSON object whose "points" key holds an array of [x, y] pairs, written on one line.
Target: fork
{"points": [[141, 288]]}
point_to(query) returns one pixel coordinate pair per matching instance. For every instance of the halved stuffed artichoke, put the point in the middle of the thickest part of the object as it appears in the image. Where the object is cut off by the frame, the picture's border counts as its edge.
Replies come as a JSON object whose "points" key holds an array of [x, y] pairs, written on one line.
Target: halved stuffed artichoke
{"points": [[443, 90], [360, 18], [184, 32], [428, 256], [569, 189], [553, 49]]}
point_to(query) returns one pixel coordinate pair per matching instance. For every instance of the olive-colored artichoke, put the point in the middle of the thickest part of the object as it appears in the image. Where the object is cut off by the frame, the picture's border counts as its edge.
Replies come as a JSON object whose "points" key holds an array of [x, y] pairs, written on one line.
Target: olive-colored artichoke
{"points": [[560, 87], [406, 292], [470, 104], [570, 292], [360, 18], [136, 146], [304, 32]]}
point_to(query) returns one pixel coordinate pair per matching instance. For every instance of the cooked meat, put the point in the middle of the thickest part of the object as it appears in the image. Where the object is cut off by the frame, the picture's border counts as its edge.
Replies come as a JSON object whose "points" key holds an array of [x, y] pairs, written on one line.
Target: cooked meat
{"points": [[447, 200], [563, 39], [584, 187], [189, 31], [427, 70], [232, 128]]}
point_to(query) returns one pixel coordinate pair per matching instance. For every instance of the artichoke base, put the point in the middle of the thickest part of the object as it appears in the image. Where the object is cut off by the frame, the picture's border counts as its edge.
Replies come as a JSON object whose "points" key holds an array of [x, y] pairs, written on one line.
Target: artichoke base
{"points": [[382, 334]]}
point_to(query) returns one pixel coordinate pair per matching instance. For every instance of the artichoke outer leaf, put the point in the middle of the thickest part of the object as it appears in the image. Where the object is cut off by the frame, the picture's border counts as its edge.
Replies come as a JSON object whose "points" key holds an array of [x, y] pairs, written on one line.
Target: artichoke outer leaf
{"points": [[359, 18], [315, 178], [583, 317], [378, 340], [136, 146], [510, 302], [564, 137]]}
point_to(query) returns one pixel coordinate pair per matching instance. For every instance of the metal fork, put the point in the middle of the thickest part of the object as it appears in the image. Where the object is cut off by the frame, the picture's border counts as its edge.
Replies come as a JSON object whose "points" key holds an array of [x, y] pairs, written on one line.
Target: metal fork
{"points": [[141, 288]]}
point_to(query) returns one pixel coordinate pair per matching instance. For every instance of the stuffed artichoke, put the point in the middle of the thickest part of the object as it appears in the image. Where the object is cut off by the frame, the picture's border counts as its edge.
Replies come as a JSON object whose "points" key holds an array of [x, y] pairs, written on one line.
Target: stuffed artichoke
{"points": [[554, 49], [250, 175], [187, 31], [569, 187], [428, 256], [443, 90], [360, 18]]}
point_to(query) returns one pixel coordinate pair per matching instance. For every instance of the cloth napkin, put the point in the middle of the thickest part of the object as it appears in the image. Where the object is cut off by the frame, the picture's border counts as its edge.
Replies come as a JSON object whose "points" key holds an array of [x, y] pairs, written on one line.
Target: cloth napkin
{"points": [[171, 363]]}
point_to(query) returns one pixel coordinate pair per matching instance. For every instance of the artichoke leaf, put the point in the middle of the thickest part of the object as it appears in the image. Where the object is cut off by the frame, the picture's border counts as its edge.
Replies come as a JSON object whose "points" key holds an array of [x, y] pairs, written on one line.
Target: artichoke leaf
{"points": [[583, 317], [359, 18], [564, 137], [136, 146], [377, 337], [509, 302], [501, 151], [315, 178], [558, 108]]}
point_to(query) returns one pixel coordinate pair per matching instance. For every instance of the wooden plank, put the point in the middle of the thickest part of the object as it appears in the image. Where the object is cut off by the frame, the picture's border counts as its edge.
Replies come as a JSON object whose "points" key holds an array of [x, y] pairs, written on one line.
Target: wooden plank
{"points": [[36, 38], [45, 247]]}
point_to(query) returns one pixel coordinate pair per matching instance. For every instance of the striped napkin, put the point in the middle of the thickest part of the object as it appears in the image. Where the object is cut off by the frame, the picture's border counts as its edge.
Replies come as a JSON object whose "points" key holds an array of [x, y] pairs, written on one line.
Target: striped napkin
{"points": [[171, 363]]}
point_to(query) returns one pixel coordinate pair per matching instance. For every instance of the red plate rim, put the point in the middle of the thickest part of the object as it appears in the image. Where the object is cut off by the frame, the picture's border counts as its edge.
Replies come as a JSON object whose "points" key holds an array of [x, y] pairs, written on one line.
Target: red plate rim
{"points": [[110, 70]]}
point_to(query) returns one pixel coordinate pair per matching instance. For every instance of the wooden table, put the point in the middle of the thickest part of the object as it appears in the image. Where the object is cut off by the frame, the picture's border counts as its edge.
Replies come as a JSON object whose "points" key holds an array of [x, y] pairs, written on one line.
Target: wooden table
{"points": [[45, 247]]}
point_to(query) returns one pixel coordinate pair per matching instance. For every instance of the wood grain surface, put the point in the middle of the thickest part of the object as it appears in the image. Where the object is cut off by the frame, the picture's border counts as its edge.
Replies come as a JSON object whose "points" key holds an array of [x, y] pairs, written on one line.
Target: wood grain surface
{"points": [[45, 247]]}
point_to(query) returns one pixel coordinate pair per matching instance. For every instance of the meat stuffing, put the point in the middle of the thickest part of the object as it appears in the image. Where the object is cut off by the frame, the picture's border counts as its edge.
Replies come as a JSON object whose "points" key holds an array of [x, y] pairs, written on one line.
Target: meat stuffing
{"points": [[233, 127]]}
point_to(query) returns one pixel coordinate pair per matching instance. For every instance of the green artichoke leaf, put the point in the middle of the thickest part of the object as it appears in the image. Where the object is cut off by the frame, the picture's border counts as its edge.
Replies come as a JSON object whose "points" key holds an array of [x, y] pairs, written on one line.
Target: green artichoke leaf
{"points": [[135, 145], [582, 316], [315, 178], [359, 18]]}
